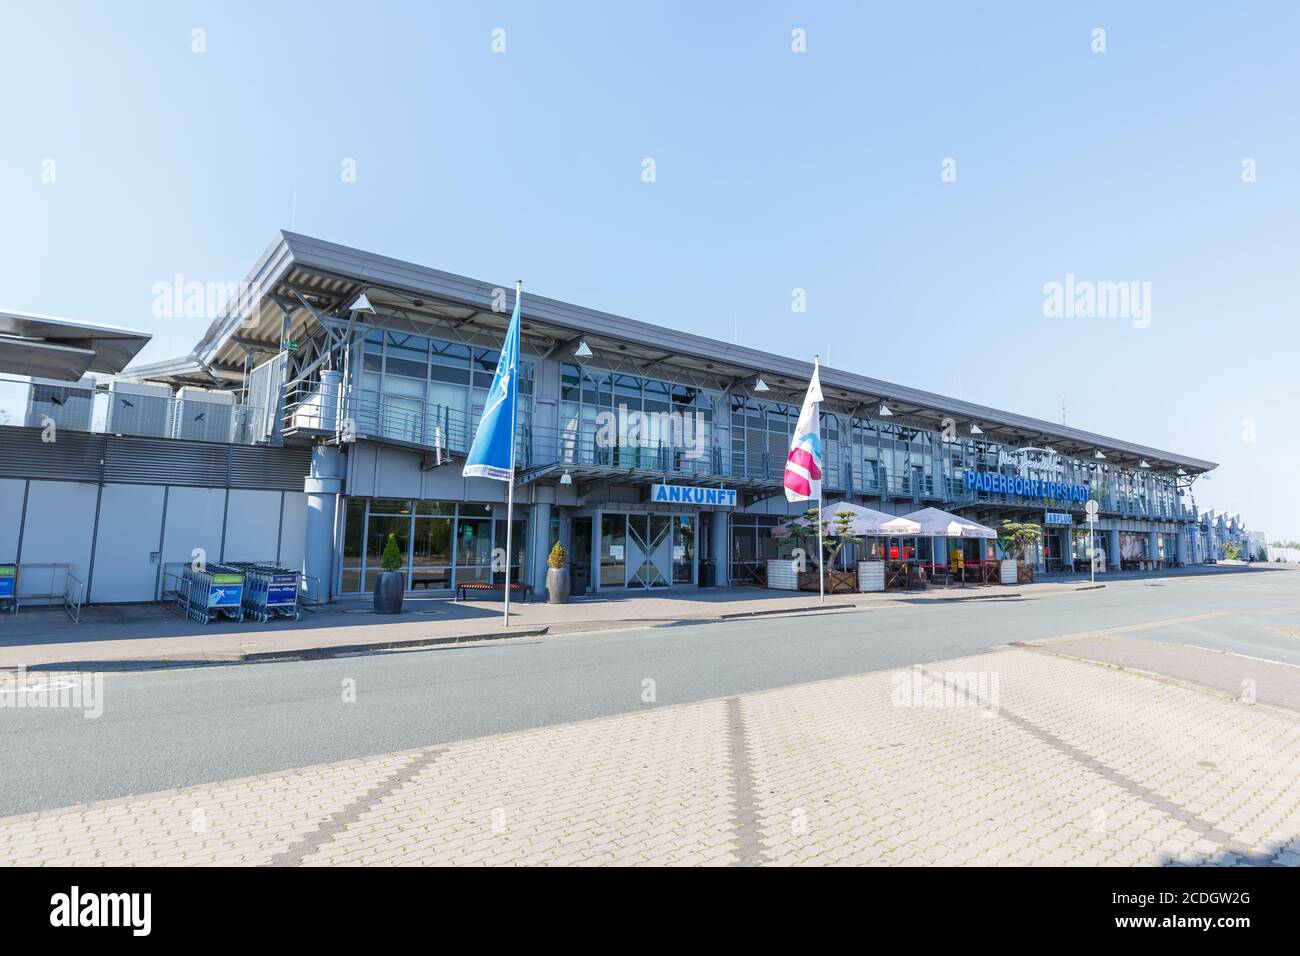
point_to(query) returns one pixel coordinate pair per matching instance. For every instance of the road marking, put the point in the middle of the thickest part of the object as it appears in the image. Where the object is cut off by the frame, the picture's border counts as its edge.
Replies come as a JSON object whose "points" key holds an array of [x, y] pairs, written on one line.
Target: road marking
{"points": [[339, 821], [1154, 625], [1148, 796], [750, 849]]}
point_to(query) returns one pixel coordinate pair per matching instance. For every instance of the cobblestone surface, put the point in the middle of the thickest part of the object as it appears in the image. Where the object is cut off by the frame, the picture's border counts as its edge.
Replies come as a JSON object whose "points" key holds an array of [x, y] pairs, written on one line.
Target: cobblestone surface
{"points": [[1008, 758]]}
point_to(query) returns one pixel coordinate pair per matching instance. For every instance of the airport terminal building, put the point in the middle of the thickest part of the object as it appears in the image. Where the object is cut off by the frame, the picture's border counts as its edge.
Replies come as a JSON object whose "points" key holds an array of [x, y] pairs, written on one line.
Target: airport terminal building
{"points": [[333, 403]]}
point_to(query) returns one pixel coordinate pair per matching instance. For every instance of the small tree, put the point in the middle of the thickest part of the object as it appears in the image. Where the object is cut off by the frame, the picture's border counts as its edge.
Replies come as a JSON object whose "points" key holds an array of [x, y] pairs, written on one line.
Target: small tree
{"points": [[392, 557], [1018, 536], [803, 531], [558, 556], [1232, 551]]}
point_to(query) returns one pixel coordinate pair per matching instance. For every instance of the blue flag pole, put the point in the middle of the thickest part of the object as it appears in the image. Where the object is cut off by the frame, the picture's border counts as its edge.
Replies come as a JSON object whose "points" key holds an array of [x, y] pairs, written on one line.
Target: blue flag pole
{"points": [[510, 486], [492, 453]]}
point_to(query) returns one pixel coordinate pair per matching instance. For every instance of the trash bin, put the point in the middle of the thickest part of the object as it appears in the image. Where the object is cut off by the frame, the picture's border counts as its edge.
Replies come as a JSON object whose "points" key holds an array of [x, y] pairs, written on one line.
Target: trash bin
{"points": [[708, 573], [581, 577]]}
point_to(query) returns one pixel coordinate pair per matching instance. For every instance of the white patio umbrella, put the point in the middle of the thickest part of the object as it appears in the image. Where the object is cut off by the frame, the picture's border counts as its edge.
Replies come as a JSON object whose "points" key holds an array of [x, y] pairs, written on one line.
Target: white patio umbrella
{"points": [[936, 523], [866, 521]]}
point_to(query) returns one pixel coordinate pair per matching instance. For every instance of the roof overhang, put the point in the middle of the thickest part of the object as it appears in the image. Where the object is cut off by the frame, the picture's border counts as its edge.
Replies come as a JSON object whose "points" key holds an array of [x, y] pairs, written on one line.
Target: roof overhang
{"points": [[310, 280], [44, 346]]}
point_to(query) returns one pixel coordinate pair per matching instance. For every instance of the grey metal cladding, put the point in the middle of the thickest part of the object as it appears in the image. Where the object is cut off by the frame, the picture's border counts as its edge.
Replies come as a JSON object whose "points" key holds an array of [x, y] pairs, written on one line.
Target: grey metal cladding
{"points": [[73, 456], [166, 461], [121, 459], [276, 469]]}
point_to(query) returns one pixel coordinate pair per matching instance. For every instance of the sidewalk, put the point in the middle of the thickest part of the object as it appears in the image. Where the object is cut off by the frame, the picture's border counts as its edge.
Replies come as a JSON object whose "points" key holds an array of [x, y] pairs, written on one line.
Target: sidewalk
{"points": [[120, 637], [1033, 759]]}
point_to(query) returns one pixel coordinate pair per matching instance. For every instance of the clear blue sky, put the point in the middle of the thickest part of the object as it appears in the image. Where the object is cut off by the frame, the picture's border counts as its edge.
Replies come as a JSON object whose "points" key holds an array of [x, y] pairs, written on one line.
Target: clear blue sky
{"points": [[775, 170]]}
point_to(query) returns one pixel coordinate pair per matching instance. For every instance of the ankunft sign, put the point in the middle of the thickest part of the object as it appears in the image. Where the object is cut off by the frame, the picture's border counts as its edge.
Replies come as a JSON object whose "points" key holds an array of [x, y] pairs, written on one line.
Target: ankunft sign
{"points": [[692, 495], [972, 480]]}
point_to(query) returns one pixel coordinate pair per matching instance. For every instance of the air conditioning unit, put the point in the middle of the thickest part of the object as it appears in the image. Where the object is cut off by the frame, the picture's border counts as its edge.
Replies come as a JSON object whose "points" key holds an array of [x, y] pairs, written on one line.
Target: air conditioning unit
{"points": [[138, 408], [203, 414], [65, 404]]}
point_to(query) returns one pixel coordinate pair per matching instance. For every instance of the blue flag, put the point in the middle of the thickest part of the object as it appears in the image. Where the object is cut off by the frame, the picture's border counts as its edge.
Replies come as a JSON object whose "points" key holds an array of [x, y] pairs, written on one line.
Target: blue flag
{"points": [[492, 453]]}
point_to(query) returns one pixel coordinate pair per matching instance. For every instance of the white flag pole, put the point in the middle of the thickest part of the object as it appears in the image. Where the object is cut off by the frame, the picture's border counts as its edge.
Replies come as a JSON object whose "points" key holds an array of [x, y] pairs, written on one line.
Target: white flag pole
{"points": [[821, 549], [510, 486]]}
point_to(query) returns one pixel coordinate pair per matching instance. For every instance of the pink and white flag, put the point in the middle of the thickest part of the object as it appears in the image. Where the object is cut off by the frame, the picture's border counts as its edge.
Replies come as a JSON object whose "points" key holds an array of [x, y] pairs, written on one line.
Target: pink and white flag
{"points": [[803, 466]]}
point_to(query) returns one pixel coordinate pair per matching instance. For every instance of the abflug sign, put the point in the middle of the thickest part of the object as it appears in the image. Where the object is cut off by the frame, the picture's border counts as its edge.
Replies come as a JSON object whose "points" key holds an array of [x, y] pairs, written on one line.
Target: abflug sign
{"points": [[972, 480]]}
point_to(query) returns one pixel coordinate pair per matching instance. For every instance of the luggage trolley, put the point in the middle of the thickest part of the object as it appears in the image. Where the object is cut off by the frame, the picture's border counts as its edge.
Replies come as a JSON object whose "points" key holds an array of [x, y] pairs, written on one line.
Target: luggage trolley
{"points": [[215, 591], [269, 591], [9, 588]]}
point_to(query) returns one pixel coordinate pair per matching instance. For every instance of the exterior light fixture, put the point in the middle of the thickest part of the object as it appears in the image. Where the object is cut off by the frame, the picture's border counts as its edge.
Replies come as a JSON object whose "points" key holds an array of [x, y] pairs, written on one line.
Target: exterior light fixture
{"points": [[1181, 472], [566, 478], [975, 429], [760, 385], [1143, 464], [1099, 456], [582, 351], [884, 411], [362, 304]]}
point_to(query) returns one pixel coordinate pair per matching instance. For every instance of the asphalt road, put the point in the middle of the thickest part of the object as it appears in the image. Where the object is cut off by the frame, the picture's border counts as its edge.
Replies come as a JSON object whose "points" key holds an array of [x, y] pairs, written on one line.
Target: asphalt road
{"points": [[163, 729]]}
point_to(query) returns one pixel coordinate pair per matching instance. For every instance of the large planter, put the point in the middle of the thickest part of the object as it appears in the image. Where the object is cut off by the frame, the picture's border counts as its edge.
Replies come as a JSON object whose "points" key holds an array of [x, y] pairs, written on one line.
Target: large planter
{"points": [[871, 576], [783, 575], [389, 587], [837, 582], [557, 585], [1009, 575]]}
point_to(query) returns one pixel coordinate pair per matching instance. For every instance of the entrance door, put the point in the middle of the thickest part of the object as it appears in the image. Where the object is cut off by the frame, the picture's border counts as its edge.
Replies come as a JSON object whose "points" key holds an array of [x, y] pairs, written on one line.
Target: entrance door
{"points": [[649, 551]]}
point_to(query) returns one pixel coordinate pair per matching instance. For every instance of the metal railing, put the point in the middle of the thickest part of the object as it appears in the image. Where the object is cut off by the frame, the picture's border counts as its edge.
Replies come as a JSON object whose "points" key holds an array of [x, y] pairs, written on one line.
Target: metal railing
{"points": [[64, 588], [143, 411], [330, 408]]}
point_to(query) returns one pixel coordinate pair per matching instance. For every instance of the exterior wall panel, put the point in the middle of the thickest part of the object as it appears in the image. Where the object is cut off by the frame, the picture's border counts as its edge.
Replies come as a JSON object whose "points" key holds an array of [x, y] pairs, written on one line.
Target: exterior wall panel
{"points": [[130, 522], [252, 526], [11, 516], [60, 522], [194, 520]]}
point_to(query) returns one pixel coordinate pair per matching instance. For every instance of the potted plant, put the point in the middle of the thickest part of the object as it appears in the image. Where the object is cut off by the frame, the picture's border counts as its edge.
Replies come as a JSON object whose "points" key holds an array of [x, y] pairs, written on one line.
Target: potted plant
{"points": [[1016, 537], [803, 531], [557, 575], [390, 583]]}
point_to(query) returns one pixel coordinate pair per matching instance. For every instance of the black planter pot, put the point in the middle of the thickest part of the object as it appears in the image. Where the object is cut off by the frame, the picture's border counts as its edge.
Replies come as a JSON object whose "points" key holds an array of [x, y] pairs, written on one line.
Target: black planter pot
{"points": [[389, 587], [557, 585]]}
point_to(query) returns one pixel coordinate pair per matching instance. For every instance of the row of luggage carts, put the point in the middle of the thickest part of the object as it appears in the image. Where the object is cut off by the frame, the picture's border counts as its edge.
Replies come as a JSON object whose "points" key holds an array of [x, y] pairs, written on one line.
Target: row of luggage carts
{"points": [[237, 589], [269, 591]]}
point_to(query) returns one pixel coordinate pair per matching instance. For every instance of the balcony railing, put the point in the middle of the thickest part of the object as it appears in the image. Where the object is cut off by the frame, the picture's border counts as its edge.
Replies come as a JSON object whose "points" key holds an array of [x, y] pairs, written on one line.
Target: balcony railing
{"points": [[366, 413], [125, 410]]}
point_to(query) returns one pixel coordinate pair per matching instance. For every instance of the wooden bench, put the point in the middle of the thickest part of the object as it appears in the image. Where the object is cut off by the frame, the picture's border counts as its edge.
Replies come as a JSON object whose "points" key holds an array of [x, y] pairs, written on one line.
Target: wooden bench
{"points": [[478, 586]]}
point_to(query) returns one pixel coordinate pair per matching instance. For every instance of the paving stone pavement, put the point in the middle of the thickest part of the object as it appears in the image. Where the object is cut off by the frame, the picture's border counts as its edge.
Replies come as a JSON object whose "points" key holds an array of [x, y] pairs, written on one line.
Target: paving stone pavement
{"points": [[1013, 757]]}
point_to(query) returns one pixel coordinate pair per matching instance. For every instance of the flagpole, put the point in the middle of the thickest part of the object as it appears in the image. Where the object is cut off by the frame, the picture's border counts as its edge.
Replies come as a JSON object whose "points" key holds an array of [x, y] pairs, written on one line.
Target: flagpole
{"points": [[821, 549], [510, 486]]}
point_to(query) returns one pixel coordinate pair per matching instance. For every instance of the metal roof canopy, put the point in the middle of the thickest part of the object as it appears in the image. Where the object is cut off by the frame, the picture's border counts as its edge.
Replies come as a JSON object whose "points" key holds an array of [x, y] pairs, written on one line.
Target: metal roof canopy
{"points": [[44, 346], [295, 268]]}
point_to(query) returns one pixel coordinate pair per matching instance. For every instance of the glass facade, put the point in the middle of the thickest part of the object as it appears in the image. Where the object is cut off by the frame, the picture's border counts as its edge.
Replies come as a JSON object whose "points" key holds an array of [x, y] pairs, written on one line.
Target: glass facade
{"points": [[631, 421], [412, 386], [442, 543]]}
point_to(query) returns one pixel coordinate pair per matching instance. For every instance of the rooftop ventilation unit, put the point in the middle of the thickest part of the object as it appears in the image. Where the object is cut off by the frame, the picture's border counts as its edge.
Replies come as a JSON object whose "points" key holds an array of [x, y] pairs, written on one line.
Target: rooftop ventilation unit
{"points": [[203, 414], [137, 408]]}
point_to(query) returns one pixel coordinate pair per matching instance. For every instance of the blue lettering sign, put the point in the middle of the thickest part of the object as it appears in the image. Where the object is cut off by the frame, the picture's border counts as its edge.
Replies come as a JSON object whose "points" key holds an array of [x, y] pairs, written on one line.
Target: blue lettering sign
{"points": [[998, 484]]}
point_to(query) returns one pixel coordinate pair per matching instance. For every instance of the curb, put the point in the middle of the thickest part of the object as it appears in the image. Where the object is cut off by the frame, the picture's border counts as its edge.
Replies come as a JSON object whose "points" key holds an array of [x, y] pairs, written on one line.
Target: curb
{"points": [[741, 615], [341, 650]]}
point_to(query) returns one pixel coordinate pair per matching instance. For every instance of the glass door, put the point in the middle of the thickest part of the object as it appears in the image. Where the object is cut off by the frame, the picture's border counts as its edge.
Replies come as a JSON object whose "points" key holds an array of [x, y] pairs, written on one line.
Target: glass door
{"points": [[649, 551]]}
